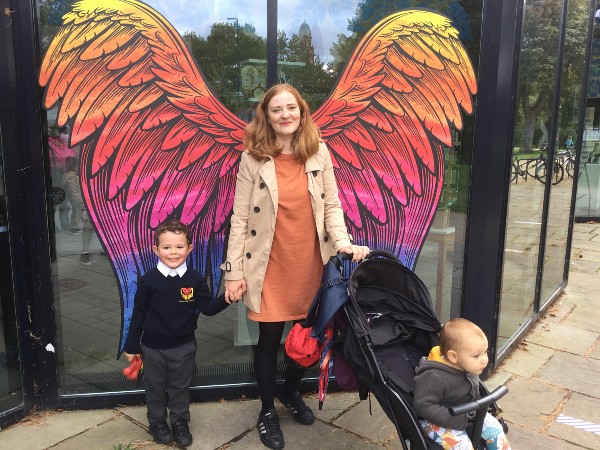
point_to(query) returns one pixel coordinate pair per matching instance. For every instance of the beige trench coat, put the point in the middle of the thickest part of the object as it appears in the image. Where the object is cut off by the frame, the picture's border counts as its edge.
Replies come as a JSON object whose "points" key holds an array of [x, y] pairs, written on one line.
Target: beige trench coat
{"points": [[255, 213]]}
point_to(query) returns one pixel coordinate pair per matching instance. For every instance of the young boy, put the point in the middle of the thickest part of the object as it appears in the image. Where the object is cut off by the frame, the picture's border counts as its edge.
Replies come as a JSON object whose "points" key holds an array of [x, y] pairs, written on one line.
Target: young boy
{"points": [[450, 376], [167, 303]]}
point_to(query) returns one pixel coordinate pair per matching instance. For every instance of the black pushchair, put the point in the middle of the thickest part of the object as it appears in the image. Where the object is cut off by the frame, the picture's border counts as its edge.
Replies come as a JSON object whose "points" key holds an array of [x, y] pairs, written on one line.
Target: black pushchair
{"points": [[390, 325]]}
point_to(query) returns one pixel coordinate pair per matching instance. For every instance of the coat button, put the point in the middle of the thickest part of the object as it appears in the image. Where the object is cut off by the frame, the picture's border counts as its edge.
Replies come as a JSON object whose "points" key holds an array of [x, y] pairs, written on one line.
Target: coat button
{"points": [[326, 238], [314, 173], [253, 232], [248, 255], [256, 209], [262, 185], [323, 195]]}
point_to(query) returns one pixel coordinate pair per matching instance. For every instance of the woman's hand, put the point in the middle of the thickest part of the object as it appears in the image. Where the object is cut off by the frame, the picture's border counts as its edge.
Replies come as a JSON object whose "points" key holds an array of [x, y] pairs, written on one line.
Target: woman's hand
{"points": [[358, 252], [234, 289], [130, 356]]}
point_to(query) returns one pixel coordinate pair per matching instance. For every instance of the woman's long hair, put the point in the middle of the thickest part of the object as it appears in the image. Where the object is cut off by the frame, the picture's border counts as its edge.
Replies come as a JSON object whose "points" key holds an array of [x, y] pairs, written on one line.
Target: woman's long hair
{"points": [[260, 138]]}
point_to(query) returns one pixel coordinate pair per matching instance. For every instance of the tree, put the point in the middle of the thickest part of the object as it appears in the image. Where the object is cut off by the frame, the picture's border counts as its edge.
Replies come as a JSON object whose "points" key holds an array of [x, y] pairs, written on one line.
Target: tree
{"points": [[572, 88], [538, 64], [369, 12], [313, 79], [220, 57], [51, 13]]}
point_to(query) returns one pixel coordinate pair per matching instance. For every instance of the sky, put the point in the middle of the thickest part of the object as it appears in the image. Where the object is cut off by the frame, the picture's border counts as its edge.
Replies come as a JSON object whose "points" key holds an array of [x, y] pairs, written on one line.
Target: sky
{"points": [[326, 18]]}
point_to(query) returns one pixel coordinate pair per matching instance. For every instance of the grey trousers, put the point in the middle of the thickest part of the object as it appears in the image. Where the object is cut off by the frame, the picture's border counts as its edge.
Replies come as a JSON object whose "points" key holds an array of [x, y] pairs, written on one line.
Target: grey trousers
{"points": [[167, 378]]}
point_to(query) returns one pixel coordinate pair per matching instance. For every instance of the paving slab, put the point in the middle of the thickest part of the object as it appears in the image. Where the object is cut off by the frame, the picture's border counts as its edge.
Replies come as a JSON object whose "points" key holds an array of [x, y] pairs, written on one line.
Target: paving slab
{"points": [[584, 317], [497, 378], [212, 424], [560, 309], [583, 296], [584, 266], [137, 413], [376, 427], [521, 438], [335, 404], [118, 432], [565, 337], [530, 403], [588, 255], [527, 359], [582, 279], [316, 436], [573, 372], [50, 428], [584, 420]]}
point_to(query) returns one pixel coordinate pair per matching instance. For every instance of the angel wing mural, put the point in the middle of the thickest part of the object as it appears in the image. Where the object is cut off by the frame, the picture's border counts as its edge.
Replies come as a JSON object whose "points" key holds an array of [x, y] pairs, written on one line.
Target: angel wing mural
{"points": [[156, 142]]}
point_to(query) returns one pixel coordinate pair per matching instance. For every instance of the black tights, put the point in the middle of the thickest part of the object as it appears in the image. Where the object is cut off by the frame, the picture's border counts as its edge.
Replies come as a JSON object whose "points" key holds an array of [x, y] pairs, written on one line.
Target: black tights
{"points": [[265, 364]]}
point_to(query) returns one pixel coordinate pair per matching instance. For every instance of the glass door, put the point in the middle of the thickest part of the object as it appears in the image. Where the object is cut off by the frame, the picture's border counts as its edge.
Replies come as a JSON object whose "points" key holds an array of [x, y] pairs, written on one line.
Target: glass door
{"points": [[11, 395]]}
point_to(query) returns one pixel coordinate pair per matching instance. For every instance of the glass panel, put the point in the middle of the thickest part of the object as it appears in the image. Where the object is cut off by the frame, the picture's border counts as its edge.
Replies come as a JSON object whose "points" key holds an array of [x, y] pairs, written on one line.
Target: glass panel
{"points": [[536, 87], [11, 394], [316, 40], [587, 203], [571, 90], [224, 38]]}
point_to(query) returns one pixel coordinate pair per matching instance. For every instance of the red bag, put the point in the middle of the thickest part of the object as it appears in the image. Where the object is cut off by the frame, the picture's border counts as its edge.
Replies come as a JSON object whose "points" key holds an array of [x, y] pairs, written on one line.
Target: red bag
{"points": [[134, 368], [301, 347]]}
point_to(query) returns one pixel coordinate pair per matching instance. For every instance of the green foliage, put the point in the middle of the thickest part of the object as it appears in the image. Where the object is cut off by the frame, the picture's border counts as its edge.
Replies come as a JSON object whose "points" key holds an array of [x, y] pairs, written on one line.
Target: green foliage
{"points": [[123, 447], [225, 53], [538, 66]]}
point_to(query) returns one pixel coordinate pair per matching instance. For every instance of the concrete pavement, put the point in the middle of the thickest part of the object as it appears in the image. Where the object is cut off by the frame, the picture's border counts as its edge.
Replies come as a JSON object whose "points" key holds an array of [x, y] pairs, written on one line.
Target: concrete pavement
{"points": [[553, 377]]}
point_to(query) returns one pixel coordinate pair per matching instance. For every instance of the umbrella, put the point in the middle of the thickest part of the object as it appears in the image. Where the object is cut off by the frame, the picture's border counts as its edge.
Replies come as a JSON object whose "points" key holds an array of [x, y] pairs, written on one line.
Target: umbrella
{"points": [[326, 363]]}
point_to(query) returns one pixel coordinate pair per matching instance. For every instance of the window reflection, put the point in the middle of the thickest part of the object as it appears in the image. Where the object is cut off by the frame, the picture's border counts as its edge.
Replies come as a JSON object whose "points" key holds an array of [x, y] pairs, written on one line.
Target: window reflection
{"points": [[568, 122], [228, 43], [587, 203], [318, 38], [536, 87]]}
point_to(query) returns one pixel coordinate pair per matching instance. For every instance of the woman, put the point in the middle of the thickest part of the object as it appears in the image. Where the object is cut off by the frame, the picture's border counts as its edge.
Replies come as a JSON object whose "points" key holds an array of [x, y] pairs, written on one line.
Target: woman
{"points": [[287, 222]]}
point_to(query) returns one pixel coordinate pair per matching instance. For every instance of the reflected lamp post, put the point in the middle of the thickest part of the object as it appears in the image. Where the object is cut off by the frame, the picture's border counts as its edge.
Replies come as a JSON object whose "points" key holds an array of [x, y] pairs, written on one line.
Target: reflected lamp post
{"points": [[237, 54]]}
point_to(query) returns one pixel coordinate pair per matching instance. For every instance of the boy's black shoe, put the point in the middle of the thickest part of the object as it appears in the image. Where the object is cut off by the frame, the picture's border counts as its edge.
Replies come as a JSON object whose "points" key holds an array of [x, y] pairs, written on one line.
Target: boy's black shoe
{"points": [[300, 410], [269, 431], [181, 432], [161, 433]]}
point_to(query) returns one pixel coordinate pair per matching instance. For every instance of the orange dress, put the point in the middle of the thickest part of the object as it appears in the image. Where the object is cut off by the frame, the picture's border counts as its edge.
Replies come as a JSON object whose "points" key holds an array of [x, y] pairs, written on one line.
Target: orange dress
{"points": [[295, 266]]}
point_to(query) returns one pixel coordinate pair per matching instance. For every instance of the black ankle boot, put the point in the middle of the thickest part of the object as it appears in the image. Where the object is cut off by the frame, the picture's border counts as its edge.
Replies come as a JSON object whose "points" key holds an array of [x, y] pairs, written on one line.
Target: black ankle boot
{"points": [[161, 433], [181, 433]]}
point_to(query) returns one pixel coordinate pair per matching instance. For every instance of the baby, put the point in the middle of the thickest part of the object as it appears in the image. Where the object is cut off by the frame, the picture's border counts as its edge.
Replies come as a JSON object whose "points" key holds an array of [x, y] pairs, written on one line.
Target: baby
{"points": [[450, 376]]}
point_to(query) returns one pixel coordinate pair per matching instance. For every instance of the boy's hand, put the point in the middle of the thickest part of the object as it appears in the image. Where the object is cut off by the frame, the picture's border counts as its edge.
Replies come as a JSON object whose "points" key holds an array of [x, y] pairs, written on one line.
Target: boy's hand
{"points": [[134, 368], [234, 289], [130, 356]]}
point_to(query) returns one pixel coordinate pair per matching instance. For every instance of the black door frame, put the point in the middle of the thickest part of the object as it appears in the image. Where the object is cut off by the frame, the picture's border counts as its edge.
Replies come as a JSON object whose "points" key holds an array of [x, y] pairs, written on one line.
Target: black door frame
{"points": [[27, 205]]}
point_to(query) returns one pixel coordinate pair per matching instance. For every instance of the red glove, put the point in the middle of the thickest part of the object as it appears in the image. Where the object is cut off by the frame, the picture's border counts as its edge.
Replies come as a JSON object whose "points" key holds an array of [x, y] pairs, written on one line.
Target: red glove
{"points": [[133, 370]]}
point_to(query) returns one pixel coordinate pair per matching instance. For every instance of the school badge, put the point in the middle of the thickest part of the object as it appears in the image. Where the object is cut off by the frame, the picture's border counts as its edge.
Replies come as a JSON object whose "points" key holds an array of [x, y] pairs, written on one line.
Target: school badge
{"points": [[187, 293]]}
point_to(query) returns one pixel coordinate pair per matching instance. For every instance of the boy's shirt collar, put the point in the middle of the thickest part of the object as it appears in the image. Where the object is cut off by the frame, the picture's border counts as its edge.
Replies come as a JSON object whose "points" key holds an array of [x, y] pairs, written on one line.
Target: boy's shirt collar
{"points": [[168, 272]]}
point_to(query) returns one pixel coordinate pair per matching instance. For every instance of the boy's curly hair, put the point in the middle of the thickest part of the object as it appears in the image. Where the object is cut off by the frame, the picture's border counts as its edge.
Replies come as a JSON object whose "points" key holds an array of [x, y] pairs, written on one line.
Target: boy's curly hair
{"points": [[174, 226]]}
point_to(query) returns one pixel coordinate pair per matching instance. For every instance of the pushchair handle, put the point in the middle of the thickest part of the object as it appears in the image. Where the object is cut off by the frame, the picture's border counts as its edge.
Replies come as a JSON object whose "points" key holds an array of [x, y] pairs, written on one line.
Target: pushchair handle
{"points": [[481, 403], [375, 253]]}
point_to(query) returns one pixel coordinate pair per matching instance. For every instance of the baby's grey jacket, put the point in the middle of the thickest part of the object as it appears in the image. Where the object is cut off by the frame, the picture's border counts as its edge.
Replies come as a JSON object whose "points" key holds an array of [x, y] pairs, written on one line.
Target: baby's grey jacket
{"points": [[438, 386]]}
